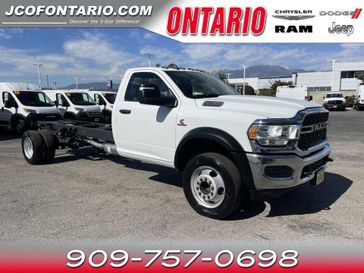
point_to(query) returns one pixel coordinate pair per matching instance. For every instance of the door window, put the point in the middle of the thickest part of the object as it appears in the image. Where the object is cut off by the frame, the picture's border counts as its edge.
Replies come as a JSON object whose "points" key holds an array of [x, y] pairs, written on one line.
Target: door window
{"points": [[145, 78], [7, 97], [61, 100]]}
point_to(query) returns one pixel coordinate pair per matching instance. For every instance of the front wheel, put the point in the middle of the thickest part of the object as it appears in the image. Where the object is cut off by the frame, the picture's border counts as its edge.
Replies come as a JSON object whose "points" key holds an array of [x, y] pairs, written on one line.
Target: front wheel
{"points": [[19, 126], [212, 185]]}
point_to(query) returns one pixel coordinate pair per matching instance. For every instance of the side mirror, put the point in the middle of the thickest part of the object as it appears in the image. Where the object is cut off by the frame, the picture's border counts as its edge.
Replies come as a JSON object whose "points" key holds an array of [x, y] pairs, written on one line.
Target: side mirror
{"points": [[10, 104], [150, 94], [323, 97], [65, 104], [101, 102], [310, 98], [56, 103]]}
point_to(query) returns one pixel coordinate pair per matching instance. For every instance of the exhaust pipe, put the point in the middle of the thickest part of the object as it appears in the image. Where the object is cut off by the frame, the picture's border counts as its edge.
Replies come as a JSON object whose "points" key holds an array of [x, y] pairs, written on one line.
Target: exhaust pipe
{"points": [[107, 147]]}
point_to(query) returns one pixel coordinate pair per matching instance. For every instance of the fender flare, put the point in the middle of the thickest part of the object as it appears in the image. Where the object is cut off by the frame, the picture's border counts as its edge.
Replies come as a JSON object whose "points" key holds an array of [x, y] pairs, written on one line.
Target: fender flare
{"points": [[225, 140]]}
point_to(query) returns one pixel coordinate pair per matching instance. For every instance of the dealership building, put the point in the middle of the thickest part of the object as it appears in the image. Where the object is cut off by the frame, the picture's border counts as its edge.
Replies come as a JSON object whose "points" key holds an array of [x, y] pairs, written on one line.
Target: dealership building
{"points": [[344, 77]]}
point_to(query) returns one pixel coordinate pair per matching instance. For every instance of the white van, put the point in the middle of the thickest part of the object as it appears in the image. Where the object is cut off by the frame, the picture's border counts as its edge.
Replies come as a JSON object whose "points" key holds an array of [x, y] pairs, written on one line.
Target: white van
{"points": [[359, 97], [23, 104], [76, 104], [105, 99], [298, 92]]}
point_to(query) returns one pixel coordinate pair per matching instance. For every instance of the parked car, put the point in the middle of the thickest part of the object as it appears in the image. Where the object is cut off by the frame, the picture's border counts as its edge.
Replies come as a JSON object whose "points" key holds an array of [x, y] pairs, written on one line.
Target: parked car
{"points": [[23, 104], [105, 99], [76, 104], [359, 98], [230, 148], [298, 92], [335, 100]]}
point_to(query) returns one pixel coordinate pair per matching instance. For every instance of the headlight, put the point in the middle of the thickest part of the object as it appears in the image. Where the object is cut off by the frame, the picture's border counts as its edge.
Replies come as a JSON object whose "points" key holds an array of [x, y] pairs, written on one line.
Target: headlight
{"points": [[273, 135], [79, 109], [30, 111]]}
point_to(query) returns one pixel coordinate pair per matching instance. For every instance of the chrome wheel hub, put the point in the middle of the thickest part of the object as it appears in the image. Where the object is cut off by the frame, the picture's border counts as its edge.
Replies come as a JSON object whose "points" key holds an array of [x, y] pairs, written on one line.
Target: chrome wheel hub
{"points": [[208, 187], [28, 147]]}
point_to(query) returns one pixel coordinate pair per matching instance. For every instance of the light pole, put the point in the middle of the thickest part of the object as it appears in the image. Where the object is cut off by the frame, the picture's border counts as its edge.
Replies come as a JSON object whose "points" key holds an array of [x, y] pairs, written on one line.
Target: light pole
{"points": [[55, 85], [39, 76], [244, 70], [149, 55], [333, 73], [76, 79]]}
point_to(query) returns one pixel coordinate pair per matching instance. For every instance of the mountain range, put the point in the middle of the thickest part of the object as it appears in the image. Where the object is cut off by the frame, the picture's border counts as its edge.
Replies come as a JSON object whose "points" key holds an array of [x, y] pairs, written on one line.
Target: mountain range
{"points": [[251, 72]]}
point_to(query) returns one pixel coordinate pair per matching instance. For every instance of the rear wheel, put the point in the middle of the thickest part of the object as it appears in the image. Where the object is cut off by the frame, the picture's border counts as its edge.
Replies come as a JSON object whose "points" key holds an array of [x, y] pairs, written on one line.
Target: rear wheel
{"points": [[212, 185], [33, 147]]}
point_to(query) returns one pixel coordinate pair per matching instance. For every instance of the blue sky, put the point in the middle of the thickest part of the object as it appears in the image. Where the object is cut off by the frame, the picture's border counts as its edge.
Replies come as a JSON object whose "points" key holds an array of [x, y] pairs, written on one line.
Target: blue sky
{"points": [[105, 53]]}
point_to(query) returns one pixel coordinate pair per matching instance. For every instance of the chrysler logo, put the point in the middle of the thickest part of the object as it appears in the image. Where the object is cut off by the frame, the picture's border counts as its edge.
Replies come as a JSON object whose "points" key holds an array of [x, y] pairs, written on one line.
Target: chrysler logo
{"points": [[293, 14]]}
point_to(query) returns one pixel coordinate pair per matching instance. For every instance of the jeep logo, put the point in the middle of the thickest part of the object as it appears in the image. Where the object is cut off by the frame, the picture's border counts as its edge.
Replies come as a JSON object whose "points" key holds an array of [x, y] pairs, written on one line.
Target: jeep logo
{"points": [[294, 29], [341, 29]]}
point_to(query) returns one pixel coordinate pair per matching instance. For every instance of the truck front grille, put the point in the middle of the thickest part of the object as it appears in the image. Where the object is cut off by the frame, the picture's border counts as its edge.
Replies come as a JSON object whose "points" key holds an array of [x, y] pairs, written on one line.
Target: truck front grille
{"points": [[335, 102], [94, 114], [314, 130]]}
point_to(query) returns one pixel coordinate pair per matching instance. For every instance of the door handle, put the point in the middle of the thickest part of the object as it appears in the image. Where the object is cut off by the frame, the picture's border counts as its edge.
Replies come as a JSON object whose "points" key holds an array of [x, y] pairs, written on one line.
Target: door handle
{"points": [[125, 111]]}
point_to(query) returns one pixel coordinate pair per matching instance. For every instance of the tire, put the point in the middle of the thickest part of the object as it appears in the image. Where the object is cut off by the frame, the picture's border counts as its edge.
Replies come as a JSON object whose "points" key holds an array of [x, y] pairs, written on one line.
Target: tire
{"points": [[50, 144], [19, 126], [33, 147], [203, 188]]}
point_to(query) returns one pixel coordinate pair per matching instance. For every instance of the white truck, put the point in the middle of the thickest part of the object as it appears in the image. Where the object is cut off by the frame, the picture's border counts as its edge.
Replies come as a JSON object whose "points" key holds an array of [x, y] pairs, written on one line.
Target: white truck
{"points": [[229, 147], [23, 104], [297, 92], [105, 99], [76, 105], [359, 98], [334, 101]]}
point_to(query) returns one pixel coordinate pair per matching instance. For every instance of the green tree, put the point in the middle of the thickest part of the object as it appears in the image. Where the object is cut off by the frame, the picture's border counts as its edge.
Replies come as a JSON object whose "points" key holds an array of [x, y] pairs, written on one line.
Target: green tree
{"points": [[361, 78], [222, 76], [249, 90], [277, 83]]}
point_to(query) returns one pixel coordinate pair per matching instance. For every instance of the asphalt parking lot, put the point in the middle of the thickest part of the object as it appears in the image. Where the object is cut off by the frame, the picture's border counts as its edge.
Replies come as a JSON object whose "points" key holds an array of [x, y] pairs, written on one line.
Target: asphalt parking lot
{"points": [[84, 197]]}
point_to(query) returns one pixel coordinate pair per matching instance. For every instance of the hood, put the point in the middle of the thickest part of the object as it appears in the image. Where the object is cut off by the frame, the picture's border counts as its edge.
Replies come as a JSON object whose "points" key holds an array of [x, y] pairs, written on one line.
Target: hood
{"points": [[89, 108], [44, 110], [331, 99], [265, 107]]}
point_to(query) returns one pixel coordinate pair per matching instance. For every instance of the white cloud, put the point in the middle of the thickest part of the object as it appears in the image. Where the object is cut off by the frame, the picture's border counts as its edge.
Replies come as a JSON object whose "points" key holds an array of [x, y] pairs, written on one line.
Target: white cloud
{"points": [[4, 35]]}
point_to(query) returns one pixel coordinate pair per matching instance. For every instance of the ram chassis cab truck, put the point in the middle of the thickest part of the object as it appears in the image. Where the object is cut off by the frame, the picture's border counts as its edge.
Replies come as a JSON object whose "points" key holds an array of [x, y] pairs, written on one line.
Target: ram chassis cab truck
{"points": [[76, 105], [335, 101], [230, 148], [23, 104]]}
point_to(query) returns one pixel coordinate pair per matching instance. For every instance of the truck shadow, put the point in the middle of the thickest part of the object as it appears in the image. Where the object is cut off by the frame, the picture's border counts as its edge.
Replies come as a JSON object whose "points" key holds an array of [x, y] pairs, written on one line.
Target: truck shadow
{"points": [[7, 134], [306, 199]]}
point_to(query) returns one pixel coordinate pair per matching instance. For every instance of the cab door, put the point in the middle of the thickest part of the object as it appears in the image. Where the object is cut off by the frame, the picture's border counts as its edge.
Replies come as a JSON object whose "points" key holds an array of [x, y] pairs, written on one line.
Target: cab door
{"points": [[6, 113], [145, 131]]}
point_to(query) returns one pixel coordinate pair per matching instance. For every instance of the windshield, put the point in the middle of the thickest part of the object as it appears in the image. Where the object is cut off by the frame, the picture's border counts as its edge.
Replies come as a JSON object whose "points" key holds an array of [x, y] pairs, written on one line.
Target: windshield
{"points": [[200, 85], [110, 97], [80, 98], [33, 98], [334, 95]]}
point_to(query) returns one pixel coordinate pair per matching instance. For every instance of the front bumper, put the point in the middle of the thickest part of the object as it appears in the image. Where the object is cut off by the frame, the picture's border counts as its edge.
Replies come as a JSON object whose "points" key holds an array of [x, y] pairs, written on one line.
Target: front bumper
{"points": [[260, 163], [335, 106]]}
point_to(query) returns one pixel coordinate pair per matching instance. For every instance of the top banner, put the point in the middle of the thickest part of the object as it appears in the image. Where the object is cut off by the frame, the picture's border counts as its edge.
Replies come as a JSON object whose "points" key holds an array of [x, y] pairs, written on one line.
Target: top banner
{"points": [[198, 21]]}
